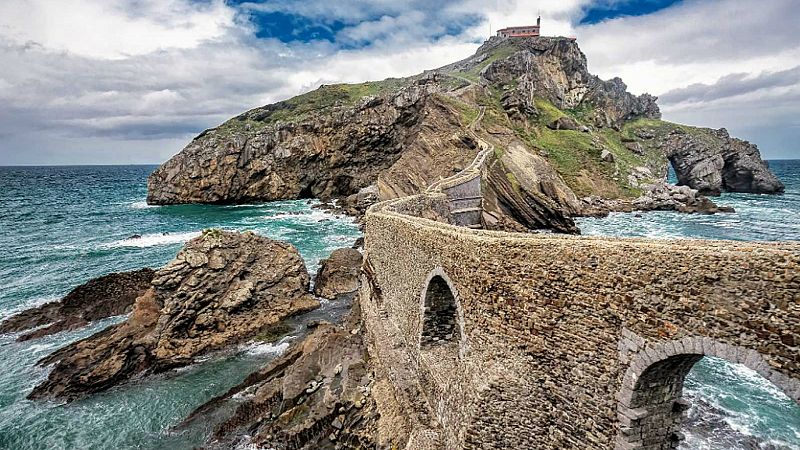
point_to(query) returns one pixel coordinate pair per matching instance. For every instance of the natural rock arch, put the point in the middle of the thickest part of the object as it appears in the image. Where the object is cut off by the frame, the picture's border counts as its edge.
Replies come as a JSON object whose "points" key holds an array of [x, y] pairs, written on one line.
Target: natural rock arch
{"points": [[650, 404], [442, 321]]}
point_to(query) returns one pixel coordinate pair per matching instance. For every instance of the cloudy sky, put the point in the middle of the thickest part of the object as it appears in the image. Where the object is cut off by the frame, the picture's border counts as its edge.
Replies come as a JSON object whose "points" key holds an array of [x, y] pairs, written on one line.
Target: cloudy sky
{"points": [[131, 81]]}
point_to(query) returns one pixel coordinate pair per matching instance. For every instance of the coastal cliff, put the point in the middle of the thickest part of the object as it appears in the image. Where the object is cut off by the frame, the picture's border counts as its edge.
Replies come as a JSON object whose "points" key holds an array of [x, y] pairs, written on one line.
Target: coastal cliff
{"points": [[392, 138]]}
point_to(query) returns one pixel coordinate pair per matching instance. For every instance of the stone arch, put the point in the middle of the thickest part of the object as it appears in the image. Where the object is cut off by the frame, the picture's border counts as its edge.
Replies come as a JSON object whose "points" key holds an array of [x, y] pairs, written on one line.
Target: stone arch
{"points": [[650, 404], [441, 316]]}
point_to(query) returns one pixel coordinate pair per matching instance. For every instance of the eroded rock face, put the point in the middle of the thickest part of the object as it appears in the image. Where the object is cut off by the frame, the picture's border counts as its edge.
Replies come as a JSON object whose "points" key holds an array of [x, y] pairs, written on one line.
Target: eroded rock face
{"points": [[332, 153], [713, 162], [522, 192], [106, 296], [317, 395], [555, 69], [220, 289], [338, 274]]}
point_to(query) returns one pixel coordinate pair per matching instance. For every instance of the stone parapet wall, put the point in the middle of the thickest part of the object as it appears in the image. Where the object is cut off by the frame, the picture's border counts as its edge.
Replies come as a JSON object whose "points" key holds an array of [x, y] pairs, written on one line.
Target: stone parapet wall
{"points": [[558, 331]]}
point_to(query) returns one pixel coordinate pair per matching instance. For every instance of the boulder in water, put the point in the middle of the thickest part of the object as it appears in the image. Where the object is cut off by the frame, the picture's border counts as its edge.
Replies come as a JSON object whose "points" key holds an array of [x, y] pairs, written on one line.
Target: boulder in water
{"points": [[221, 288], [338, 274]]}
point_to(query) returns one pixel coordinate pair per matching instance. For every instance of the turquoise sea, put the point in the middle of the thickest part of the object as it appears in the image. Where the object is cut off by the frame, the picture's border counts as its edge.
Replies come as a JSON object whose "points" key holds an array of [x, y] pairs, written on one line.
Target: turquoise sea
{"points": [[62, 226], [65, 225]]}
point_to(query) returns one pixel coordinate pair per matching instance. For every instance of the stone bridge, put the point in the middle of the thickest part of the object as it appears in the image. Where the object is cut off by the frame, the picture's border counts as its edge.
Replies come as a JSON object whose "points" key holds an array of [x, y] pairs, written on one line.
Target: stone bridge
{"points": [[492, 340]]}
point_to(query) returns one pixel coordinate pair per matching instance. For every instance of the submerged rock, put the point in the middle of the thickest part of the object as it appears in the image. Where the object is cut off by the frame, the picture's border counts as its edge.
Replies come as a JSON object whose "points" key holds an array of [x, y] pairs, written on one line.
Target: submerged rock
{"points": [[106, 296], [338, 274], [220, 289]]}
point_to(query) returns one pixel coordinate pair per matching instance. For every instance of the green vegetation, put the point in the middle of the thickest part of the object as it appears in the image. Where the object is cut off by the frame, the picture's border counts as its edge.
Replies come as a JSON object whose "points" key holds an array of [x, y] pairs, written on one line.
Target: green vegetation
{"points": [[467, 112], [576, 155], [494, 114], [570, 152], [661, 128], [514, 182], [302, 106], [581, 113], [548, 113], [502, 52]]}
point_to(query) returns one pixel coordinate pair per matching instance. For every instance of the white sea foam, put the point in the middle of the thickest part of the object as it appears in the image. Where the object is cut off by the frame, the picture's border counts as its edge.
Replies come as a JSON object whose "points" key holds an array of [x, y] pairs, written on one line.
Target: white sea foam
{"points": [[746, 416], [313, 216], [142, 205], [41, 348], [264, 348], [150, 240]]}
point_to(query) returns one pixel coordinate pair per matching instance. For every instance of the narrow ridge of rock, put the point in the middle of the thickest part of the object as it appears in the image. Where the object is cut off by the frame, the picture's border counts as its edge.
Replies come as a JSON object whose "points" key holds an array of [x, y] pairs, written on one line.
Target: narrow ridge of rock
{"points": [[101, 297]]}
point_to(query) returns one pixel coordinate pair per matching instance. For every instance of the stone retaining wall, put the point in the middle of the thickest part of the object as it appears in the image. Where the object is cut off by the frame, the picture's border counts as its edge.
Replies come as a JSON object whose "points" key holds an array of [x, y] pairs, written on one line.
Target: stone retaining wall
{"points": [[558, 333]]}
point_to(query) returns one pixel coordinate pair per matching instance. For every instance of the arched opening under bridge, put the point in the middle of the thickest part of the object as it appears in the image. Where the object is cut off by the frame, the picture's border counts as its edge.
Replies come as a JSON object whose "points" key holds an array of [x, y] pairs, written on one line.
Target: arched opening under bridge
{"points": [[652, 409], [440, 324]]}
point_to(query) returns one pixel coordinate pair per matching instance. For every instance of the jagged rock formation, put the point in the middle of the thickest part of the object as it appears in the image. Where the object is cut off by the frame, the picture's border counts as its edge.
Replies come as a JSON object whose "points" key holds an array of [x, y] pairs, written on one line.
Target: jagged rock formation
{"points": [[338, 274], [220, 289], [714, 163], [522, 187], [381, 140], [555, 69], [106, 296], [317, 395], [657, 197], [257, 156]]}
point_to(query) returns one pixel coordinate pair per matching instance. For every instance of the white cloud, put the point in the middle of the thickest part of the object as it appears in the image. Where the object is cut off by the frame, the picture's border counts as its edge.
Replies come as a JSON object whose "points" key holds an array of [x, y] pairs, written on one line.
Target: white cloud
{"points": [[135, 72], [114, 28]]}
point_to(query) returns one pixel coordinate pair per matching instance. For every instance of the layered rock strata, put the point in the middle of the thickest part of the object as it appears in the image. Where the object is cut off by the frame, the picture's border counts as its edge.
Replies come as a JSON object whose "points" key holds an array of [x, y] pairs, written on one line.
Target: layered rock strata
{"points": [[317, 395]]}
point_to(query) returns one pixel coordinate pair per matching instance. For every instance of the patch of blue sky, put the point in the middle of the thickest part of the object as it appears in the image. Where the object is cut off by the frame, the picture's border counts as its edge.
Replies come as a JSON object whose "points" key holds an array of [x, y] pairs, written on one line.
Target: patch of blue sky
{"points": [[611, 9], [286, 25]]}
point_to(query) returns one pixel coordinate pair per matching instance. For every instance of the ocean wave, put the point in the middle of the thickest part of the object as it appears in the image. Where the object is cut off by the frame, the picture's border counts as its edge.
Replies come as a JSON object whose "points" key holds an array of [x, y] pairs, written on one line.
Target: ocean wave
{"points": [[149, 240], [744, 406], [27, 304]]}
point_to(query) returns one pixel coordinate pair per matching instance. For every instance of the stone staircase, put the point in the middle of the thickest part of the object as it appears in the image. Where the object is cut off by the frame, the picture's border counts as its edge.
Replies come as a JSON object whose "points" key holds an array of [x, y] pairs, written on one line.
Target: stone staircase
{"points": [[463, 190]]}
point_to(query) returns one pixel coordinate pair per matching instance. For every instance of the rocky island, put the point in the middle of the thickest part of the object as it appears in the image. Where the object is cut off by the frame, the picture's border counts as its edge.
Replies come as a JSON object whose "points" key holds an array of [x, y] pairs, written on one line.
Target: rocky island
{"points": [[566, 143]]}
